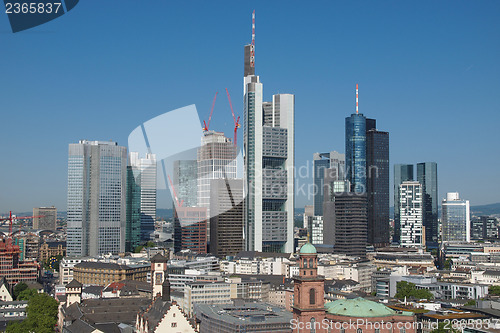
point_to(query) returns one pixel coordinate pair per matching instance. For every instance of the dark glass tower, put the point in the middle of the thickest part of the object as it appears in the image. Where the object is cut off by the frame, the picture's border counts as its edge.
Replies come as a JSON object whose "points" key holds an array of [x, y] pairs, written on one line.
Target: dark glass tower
{"points": [[427, 176], [321, 163], [133, 225], [355, 151], [377, 183], [402, 173]]}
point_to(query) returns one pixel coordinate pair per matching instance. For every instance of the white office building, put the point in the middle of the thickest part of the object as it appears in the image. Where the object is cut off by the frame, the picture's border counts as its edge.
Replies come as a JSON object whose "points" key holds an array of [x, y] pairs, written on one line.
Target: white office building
{"points": [[411, 218]]}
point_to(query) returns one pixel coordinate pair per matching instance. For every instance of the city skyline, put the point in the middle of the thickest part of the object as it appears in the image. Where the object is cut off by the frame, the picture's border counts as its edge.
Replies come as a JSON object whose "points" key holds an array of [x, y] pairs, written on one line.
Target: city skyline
{"points": [[408, 83]]}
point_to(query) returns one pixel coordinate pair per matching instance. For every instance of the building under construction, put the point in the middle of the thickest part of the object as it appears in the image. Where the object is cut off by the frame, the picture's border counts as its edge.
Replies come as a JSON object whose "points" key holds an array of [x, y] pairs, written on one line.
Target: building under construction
{"points": [[14, 269]]}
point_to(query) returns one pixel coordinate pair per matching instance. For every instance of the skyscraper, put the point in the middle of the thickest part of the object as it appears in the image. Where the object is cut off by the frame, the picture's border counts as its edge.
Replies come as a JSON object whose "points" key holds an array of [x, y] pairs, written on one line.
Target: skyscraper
{"points": [[377, 183], [367, 166], [269, 160], [402, 173], [226, 222], [410, 208], [48, 218], [190, 224], [355, 151], [141, 199], [427, 176], [322, 161], [216, 160], [185, 178], [96, 212], [456, 218]]}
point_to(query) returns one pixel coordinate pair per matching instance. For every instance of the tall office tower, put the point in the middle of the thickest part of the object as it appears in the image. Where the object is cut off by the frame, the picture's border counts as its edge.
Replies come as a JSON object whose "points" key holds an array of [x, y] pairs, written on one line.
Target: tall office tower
{"points": [[377, 183], [96, 198], [322, 161], [216, 160], [455, 218], [226, 222], [427, 176], [345, 222], [141, 199], [185, 178], [355, 151], [402, 173], [269, 160], [48, 218], [411, 217], [190, 224]]}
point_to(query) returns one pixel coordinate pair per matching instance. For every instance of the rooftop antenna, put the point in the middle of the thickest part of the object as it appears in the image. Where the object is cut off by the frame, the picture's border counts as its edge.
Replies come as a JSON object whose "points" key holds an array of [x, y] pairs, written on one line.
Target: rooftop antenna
{"points": [[356, 98], [252, 49]]}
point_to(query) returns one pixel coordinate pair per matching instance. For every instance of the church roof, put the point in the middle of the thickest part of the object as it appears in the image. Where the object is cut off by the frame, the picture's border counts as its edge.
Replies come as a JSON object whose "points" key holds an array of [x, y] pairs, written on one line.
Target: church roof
{"points": [[307, 248], [359, 307]]}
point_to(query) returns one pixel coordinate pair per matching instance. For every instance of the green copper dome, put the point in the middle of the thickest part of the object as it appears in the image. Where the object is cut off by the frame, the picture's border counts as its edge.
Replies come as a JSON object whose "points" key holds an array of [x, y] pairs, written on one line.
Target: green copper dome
{"points": [[360, 307], [307, 248]]}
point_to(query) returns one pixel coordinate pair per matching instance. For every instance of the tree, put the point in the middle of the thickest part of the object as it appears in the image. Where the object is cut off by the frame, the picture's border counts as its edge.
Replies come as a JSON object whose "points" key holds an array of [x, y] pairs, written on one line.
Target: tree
{"points": [[408, 289], [41, 316], [447, 264], [27, 294], [494, 290], [21, 286], [470, 303]]}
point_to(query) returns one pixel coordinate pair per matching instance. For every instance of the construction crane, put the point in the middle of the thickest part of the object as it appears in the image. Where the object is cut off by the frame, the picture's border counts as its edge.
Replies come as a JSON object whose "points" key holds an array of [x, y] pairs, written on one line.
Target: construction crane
{"points": [[179, 204], [207, 125], [236, 120], [10, 219]]}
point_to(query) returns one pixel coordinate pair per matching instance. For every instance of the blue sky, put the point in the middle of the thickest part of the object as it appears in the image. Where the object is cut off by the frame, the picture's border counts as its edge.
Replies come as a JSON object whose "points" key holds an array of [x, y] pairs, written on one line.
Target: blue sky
{"points": [[428, 71]]}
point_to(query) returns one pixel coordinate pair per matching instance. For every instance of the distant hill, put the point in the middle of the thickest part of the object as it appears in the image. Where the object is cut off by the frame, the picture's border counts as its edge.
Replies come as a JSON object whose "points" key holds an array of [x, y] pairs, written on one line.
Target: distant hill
{"points": [[491, 209]]}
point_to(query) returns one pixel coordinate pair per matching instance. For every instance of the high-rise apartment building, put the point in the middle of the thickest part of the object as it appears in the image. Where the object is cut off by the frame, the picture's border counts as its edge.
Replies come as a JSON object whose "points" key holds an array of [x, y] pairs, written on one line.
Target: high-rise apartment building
{"points": [[427, 176], [455, 218], [402, 173], [411, 217], [226, 222], [141, 199], [185, 178], [96, 212], [321, 162], [377, 184], [269, 161], [48, 218]]}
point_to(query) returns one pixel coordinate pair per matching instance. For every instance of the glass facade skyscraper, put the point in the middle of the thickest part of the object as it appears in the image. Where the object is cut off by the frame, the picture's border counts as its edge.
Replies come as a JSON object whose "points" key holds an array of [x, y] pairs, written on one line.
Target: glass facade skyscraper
{"points": [[455, 218], [355, 151], [141, 198], [377, 183], [402, 173], [96, 211], [427, 176], [333, 163], [185, 180]]}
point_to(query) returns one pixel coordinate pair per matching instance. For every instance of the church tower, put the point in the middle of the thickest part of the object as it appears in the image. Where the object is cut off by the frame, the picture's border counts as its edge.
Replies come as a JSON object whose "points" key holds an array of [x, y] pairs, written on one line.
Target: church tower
{"points": [[158, 271], [309, 293]]}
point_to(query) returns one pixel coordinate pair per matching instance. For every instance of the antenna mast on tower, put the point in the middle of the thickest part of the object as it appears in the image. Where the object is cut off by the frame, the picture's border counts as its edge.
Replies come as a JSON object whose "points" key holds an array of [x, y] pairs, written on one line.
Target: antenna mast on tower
{"points": [[252, 49], [356, 98]]}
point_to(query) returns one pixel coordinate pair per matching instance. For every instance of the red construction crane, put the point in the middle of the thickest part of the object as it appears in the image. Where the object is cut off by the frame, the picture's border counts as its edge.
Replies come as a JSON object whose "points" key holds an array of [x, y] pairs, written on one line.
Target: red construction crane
{"points": [[236, 120], [179, 204], [10, 219], [205, 125]]}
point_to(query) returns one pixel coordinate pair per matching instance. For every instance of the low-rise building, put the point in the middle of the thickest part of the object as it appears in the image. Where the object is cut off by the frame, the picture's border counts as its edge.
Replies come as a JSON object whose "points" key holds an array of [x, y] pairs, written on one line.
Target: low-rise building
{"points": [[51, 249], [103, 273]]}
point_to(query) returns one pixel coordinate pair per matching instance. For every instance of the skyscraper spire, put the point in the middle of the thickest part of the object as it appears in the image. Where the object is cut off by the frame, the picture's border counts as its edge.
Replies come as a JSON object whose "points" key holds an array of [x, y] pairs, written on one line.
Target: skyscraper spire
{"points": [[356, 98], [252, 48]]}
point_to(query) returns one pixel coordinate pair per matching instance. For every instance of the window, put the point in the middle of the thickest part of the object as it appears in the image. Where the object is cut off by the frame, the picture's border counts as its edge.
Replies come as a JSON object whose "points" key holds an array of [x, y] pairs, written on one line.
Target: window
{"points": [[359, 330], [402, 330], [377, 330], [312, 296], [174, 325], [313, 325]]}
